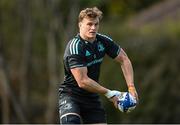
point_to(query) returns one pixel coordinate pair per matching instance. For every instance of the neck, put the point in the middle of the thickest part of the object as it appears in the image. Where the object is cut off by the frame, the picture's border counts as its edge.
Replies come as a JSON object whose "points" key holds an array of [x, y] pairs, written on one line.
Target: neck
{"points": [[86, 38]]}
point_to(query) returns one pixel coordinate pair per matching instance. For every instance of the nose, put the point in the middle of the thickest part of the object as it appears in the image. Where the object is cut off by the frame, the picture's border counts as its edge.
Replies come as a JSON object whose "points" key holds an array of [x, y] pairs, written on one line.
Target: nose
{"points": [[93, 27]]}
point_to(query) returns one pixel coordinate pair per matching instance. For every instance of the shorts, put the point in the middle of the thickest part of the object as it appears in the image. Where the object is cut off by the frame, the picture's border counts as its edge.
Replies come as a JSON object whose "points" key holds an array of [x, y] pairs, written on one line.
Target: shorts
{"points": [[89, 111]]}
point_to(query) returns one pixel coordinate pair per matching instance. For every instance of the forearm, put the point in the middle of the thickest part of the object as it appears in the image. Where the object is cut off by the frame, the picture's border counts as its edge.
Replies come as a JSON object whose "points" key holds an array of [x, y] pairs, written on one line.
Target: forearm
{"points": [[129, 77], [92, 86], [128, 72], [126, 67], [86, 83]]}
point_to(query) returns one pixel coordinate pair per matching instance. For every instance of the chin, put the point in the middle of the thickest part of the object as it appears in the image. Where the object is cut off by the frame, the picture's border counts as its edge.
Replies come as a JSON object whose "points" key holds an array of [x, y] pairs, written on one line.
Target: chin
{"points": [[92, 36]]}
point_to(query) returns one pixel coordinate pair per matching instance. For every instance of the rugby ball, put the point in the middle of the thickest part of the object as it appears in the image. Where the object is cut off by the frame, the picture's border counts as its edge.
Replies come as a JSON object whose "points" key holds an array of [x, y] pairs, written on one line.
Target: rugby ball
{"points": [[126, 102]]}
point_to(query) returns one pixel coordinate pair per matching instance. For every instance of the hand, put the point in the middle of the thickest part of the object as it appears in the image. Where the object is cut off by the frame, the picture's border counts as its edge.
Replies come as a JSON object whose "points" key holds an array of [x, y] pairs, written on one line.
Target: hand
{"points": [[114, 100], [132, 91], [112, 96]]}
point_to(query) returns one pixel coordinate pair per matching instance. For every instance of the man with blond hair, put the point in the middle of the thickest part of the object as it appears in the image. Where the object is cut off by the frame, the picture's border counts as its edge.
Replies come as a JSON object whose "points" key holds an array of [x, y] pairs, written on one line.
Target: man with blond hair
{"points": [[79, 101]]}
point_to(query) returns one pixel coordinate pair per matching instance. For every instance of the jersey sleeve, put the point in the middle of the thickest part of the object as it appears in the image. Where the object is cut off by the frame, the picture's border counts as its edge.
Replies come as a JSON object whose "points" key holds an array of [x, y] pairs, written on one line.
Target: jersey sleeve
{"points": [[76, 55], [112, 48]]}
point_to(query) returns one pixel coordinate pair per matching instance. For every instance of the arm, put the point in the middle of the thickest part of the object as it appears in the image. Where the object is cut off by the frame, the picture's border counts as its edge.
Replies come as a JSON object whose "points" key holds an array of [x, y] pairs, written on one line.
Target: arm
{"points": [[127, 69], [84, 82]]}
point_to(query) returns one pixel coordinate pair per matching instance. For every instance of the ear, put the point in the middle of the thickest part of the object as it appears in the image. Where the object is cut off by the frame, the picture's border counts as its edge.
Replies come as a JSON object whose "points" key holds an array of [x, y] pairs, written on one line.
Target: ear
{"points": [[79, 24]]}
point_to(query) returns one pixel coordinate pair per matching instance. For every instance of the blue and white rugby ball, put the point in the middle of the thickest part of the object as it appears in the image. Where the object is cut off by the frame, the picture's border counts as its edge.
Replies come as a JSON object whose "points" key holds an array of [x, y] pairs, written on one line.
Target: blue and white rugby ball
{"points": [[126, 102]]}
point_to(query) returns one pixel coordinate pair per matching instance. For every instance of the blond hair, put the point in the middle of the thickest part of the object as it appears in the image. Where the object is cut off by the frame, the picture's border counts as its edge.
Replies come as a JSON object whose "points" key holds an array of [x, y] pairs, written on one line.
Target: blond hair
{"points": [[90, 13]]}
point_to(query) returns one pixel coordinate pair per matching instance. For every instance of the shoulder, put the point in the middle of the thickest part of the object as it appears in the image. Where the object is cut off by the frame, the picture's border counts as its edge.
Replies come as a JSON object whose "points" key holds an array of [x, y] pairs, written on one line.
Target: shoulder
{"points": [[104, 37], [74, 46]]}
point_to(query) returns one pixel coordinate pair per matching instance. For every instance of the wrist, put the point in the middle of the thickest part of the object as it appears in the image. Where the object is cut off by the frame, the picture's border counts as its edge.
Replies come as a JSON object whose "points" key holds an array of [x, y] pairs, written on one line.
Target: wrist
{"points": [[131, 89], [111, 93], [108, 94]]}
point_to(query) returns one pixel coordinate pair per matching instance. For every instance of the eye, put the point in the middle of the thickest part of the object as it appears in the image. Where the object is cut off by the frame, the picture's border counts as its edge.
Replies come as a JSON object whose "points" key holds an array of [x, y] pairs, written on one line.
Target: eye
{"points": [[96, 24], [89, 24]]}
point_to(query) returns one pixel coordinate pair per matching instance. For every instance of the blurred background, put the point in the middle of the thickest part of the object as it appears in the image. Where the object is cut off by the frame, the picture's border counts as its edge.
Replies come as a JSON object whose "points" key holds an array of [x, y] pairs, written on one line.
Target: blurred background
{"points": [[33, 35]]}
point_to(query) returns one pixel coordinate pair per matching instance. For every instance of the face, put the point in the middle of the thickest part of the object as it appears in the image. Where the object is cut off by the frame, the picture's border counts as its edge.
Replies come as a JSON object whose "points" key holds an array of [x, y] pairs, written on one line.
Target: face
{"points": [[88, 28]]}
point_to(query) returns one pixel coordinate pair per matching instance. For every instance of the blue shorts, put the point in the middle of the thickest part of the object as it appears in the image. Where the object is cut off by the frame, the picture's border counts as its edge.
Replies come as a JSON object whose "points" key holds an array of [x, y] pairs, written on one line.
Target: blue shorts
{"points": [[89, 111]]}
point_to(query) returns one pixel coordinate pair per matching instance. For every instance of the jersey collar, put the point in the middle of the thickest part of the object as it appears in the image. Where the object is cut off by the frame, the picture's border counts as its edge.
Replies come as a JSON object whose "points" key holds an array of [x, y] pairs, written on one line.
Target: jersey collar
{"points": [[85, 41]]}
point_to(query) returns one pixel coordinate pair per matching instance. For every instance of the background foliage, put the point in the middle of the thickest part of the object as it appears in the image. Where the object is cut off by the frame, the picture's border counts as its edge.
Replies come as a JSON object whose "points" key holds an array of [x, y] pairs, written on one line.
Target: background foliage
{"points": [[33, 35]]}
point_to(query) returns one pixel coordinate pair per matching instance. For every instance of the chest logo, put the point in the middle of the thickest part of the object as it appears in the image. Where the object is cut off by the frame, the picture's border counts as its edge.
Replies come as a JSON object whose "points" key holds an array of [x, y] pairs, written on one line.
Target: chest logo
{"points": [[100, 47], [87, 53]]}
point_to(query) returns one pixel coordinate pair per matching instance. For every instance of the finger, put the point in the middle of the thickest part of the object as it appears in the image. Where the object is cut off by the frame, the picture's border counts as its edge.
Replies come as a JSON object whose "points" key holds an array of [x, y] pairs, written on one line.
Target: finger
{"points": [[137, 98], [133, 93], [115, 100], [115, 104]]}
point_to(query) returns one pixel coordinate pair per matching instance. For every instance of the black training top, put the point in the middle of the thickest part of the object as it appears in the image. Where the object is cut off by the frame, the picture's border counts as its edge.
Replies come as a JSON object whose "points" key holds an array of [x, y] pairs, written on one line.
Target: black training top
{"points": [[81, 53]]}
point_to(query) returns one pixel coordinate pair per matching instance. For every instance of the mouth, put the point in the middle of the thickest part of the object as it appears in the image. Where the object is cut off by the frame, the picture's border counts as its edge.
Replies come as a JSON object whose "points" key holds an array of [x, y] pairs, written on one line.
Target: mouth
{"points": [[92, 32]]}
